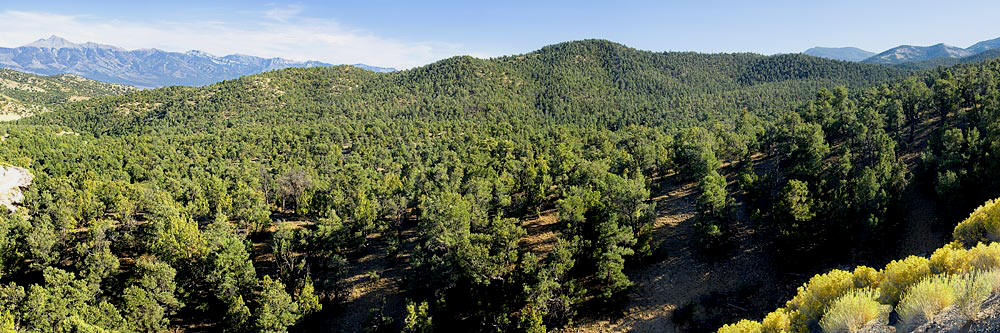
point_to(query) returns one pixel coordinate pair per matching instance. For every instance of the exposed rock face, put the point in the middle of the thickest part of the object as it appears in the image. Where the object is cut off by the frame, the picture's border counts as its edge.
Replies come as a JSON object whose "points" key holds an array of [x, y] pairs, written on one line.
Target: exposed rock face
{"points": [[13, 180], [989, 316], [877, 327]]}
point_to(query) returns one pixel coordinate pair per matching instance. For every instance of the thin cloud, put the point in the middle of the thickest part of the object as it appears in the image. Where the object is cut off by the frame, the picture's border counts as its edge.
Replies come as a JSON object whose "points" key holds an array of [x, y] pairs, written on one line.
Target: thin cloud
{"points": [[282, 14], [286, 34]]}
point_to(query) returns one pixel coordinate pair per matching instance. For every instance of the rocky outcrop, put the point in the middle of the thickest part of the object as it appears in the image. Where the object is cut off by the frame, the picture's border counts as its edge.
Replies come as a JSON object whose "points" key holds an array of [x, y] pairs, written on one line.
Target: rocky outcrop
{"points": [[989, 317], [953, 321], [13, 182], [876, 326]]}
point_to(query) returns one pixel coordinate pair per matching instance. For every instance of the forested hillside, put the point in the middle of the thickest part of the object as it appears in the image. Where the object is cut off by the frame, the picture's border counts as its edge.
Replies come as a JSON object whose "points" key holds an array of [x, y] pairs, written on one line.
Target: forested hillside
{"points": [[957, 110], [592, 83], [252, 205], [22, 94]]}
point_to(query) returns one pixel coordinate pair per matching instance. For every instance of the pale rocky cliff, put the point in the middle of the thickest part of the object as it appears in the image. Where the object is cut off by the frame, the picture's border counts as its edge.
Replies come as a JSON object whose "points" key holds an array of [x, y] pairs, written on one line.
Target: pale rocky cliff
{"points": [[13, 181]]}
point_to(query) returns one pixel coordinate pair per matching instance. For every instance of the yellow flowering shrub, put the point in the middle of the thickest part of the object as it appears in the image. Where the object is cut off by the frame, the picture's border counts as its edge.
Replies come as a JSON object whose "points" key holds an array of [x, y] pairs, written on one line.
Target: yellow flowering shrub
{"points": [[743, 326], [950, 259], [851, 312], [983, 225], [900, 275], [984, 257], [815, 296], [778, 321], [865, 277]]}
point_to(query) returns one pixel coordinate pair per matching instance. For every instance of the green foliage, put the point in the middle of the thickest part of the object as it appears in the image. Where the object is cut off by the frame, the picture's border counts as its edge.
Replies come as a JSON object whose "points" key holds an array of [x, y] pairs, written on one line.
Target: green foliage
{"points": [[275, 310], [307, 299], [601, 237], [150, 300], [23, 94], [63, 301], [796, 202], [838, 173], [468, 148], [417, 320], [696, 152], [712, 199]]}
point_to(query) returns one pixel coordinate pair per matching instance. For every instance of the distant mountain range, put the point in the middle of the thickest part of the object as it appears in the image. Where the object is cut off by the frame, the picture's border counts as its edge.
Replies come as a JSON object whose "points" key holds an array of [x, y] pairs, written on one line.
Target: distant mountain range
{"points": [[909, 55], [145, 68], [840, 53]]}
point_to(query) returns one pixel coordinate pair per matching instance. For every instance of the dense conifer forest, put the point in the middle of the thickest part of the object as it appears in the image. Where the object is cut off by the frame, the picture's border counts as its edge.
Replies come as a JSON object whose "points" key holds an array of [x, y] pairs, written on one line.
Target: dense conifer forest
{"points": [[249, 205]]}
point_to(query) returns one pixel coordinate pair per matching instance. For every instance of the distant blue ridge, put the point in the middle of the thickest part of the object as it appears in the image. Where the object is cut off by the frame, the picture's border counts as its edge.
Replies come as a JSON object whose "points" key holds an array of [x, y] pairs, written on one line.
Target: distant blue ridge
{"points": [[144, 68]]}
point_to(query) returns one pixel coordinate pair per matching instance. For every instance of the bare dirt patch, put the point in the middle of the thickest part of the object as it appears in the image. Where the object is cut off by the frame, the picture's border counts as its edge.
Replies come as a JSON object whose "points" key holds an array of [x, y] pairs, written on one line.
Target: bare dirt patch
{"points": [[542, 232], [683, 275]]}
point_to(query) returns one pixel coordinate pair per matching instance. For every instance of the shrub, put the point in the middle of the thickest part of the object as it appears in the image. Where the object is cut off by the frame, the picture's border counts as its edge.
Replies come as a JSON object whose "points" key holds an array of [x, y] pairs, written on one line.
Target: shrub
{"points": [[950, 259], [865, 277], [901, 274], [983, 225], [926, 299], [777, 322], [418, 318], [984, 257], [743, 326], [852, 311], [815, 296], [972, 291]]}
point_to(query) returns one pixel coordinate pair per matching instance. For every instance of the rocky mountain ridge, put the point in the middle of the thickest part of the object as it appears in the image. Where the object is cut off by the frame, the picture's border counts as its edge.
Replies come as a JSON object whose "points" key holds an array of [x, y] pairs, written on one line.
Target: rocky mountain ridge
{"points": [[144, 68]]}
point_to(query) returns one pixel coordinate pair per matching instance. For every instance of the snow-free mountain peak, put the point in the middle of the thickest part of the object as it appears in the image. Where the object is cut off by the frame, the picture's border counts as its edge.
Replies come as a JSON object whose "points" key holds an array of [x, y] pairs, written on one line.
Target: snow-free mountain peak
{"points": [[146, 68], [56, 42], [985, 45], [936, 54], [53, 42], [839, 53], [910, 53]]}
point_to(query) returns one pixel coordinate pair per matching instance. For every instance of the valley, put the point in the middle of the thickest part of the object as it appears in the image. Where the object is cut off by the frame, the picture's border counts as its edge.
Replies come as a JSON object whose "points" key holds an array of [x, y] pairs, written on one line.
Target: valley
{"points": [[586, 186]]}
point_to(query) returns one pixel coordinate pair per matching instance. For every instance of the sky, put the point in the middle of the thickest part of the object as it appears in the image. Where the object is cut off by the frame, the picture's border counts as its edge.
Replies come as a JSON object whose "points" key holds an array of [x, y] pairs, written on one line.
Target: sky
{"points": [[405, 34]]}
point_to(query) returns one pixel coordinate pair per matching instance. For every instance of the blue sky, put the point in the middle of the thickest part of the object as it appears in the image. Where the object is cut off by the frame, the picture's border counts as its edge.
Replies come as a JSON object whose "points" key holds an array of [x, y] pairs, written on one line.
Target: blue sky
{"points": [[405, 34]]}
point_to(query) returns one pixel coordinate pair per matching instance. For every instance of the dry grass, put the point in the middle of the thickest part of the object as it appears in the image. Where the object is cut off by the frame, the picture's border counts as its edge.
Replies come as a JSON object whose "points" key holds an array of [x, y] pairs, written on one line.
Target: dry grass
{"points": [[852, 311], [542, 232], [926, 299]]}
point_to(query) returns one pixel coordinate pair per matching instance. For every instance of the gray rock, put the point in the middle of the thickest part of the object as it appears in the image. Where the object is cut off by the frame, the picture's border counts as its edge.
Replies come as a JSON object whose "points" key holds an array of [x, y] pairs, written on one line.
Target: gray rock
{"points": [[877, 326], [13, 180]]}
